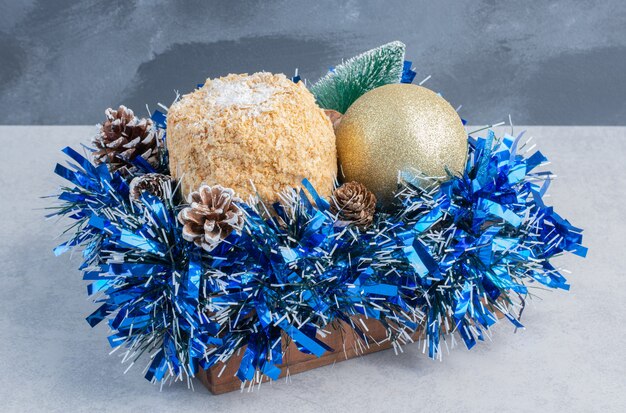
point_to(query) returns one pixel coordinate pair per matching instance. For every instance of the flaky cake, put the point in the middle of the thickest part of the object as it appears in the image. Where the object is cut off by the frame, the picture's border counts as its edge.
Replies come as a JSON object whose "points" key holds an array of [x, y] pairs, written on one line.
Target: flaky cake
{"points": [[259, 129]]}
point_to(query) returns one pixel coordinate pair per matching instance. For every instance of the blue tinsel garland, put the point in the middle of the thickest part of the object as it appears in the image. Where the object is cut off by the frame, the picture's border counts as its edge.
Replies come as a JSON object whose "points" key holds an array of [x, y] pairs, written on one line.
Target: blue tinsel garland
{"points": [[449, 258]]}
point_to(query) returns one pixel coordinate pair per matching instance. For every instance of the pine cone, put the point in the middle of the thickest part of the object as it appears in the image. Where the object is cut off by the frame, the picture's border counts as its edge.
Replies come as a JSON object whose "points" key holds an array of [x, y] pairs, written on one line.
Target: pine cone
{"points": [[123, 137], [211, 217], [152, 183], [353, 203], [334, 116]]}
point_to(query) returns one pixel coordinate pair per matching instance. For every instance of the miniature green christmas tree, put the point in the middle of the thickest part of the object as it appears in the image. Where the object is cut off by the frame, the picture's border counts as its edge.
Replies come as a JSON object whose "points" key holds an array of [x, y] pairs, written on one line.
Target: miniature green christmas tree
{"points": [[339, 88]]}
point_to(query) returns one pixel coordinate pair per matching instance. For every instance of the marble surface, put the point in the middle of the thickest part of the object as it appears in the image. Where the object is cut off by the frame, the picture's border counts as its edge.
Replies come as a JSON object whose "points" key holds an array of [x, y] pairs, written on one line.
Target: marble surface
{"points": [[570, 357]]}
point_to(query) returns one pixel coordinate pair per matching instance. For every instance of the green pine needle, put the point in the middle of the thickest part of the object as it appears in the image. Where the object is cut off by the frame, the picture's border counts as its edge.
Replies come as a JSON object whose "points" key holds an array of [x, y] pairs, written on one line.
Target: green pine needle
{"points": [[339, 89]]}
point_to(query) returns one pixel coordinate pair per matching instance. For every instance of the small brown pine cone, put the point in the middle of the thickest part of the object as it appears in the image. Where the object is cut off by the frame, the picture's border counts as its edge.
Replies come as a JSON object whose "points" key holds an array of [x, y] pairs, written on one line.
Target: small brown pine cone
{"points": [[211, 217], [154, 184], [352, 203], [334, 116], [123, 137]]}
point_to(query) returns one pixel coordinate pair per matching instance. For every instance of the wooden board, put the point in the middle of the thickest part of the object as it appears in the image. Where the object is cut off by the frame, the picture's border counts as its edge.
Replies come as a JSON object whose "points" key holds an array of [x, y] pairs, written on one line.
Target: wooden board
{"points": [[344, 344]]}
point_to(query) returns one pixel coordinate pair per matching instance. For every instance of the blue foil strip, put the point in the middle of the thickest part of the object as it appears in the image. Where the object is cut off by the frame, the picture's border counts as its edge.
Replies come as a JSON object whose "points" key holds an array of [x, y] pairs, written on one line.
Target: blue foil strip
{"points": [[310, 343], [159, 117], [407, 73]]}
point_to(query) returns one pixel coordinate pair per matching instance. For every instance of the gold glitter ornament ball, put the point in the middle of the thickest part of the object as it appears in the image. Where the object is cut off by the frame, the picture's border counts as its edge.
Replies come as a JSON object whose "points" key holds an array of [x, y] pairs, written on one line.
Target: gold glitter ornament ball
{"points": [[399, 127]]}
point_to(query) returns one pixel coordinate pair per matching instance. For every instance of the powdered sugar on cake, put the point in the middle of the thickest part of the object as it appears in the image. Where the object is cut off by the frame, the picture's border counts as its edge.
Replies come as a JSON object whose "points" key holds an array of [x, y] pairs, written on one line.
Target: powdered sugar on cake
{"points": [[241, 93]]}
